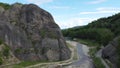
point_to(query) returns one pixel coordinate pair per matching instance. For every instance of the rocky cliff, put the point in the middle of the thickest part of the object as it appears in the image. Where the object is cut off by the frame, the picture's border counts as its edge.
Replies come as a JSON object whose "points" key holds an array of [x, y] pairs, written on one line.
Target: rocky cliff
{"points": [[112, 52], [31, 33]]}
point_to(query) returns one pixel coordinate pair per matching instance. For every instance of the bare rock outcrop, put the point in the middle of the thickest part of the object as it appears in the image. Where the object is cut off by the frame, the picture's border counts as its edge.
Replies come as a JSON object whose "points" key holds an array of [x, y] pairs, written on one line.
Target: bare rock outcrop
{"points": [[111, 52], [32, 34]]}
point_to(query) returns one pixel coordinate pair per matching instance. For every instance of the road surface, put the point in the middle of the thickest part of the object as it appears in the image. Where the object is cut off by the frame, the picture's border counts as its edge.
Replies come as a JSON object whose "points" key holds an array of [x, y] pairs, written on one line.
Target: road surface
{"points": [[84, 60]]}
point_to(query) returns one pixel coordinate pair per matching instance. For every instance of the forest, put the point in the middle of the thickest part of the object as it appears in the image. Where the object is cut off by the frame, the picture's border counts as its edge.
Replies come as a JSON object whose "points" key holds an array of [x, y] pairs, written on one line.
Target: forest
{"points": [[102, 30]]}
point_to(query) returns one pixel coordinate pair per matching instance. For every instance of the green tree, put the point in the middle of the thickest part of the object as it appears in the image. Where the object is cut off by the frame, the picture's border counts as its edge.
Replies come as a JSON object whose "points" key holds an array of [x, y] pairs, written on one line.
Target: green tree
{"points": [[5, 5]]}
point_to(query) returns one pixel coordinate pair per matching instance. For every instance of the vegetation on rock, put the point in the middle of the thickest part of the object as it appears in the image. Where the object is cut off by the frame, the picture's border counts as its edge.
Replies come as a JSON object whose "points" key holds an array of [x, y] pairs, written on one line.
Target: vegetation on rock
{"points": [[1, 61], [5, 5], [6, 51], [18, 50], [31, 33]]}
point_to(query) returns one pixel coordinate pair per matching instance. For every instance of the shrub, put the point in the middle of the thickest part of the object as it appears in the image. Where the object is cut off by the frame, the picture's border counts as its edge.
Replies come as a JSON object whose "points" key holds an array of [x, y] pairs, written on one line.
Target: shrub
{"points": [[18, 50], [42, 33], [53, 35], [1, 41], [6, 51], [1, 61], [5, 5]]}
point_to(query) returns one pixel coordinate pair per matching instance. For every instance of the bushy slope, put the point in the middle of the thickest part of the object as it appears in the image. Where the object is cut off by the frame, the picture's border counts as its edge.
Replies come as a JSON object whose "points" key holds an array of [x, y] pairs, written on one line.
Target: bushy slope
{"points": [[102, 30], [5, 5], [112, 23]]}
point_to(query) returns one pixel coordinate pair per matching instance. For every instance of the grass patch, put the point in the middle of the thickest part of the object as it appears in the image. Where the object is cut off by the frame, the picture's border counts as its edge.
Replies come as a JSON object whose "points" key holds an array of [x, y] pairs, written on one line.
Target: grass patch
{"points": [[98, 62], [70, 46], [75, 57], [1, 61], [27, 63], [89, 43], [1, 42]]}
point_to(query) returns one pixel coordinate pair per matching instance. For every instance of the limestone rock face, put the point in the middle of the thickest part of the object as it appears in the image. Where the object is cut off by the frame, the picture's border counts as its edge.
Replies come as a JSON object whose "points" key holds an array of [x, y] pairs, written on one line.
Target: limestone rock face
{"points": [[32, 34], [110, 52]]}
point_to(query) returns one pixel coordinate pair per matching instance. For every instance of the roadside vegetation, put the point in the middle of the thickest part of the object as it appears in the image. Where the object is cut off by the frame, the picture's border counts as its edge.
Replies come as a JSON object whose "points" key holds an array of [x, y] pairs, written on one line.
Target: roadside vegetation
{"points": [[26, 63], [4, 52], [75, 56], [44, 64], [93, 49], [99, 35]]}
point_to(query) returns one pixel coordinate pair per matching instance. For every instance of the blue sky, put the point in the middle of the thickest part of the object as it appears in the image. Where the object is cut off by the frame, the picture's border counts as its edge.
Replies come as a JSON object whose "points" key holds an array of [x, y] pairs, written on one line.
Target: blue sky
{"points": [[70, 13]]}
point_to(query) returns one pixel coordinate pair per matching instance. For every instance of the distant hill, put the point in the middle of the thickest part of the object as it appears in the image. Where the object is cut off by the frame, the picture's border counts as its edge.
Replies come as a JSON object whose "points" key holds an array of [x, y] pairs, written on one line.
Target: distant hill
{"points": [[102, 30], [112, 23], [5, 5]]}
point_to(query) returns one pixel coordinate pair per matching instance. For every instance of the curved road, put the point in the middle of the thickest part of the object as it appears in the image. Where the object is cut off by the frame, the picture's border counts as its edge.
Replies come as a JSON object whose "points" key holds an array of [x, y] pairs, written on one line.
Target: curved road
{"points": [[84, 61]]}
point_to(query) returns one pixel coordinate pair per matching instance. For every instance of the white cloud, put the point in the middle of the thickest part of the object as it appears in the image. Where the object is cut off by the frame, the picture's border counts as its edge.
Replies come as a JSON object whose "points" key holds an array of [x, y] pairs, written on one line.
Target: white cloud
{"points": [[108, 9], [80, 21], [99, 12], [96, 1], [38, 2], [74, 22], [60, 7], [103, 10]]}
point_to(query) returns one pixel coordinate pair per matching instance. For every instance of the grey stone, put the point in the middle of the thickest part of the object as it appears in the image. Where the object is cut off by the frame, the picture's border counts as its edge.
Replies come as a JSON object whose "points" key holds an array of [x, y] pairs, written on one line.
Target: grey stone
{"points": [[32, 34], [110, 52]]}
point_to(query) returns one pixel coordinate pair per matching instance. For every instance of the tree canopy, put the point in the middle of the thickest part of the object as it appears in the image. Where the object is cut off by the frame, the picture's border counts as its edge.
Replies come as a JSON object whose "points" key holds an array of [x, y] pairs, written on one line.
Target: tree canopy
{"points": [[102, 30], [5, 5]]}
